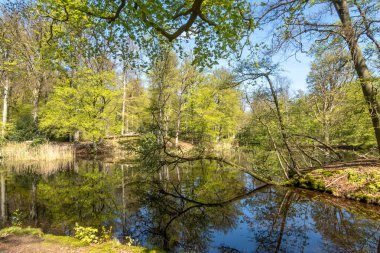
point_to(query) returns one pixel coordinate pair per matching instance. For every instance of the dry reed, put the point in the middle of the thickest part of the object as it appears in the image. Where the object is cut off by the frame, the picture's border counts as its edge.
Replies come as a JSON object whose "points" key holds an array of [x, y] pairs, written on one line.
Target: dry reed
{"points": [[45, 158]]}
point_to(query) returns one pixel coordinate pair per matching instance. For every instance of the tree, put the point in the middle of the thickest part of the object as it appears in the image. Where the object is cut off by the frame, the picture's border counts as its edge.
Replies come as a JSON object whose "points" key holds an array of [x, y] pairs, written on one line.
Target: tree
{"points": [[330, 71], [163, 79], [213, 109], [83, 106], [9, 62], [252, 71], [36, 54], [300, 20], [188, 79]]}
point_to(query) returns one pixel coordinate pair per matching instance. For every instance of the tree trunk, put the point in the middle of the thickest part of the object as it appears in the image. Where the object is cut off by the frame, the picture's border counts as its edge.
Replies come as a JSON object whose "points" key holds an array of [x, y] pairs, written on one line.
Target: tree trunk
{"points": [[177, 130], [284, 135], [76, 136], [5, 106], [2, 180], [124, 97], [36, 101], [178, 127], [365, 78]]}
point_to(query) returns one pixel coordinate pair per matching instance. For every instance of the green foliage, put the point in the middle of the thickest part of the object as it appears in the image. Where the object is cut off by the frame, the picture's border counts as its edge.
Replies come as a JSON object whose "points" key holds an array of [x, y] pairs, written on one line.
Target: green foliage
{"points": [[83, 106], [16, 218], [149, 24], [38, 141], [92, 235], [86, 234], [212, 111], [149, 149], [22, 127]]}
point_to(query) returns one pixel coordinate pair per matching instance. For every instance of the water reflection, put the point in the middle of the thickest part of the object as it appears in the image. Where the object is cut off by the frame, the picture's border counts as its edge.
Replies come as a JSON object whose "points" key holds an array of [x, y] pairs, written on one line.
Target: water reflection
{"points": [[192, 207]]}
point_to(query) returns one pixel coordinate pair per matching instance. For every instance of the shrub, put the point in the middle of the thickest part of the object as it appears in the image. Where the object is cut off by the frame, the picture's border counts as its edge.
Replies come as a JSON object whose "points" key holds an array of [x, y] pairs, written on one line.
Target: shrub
{"points": [[92, 235]]}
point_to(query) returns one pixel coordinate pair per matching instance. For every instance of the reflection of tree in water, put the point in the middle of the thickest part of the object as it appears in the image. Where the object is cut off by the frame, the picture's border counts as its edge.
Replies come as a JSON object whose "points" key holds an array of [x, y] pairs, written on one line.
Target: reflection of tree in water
{"points": [[182, 213], [179, 208], [59, 200], [22, 193], [343, 231], [283, 221], [278, 224]]}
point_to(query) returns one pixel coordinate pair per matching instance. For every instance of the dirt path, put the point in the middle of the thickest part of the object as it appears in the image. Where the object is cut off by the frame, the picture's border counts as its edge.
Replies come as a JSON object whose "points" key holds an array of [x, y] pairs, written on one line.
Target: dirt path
{"points": [[30, 243], [35, 244]]}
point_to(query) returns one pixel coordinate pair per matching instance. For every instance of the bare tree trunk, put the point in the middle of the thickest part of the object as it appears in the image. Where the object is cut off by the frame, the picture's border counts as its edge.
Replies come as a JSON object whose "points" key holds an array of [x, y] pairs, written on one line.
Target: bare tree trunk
{"points": [[177, 131], [76, 136], [365, 78], [2, 181], [36, 100], [5, 106], [178, 127], [124, 97]]}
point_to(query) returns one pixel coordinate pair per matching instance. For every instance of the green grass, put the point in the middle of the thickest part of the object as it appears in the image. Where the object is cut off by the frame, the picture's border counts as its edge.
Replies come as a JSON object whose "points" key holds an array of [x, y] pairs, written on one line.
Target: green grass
{"points": [[359, 183], [21, 231], [114, 246], [64, 240]]}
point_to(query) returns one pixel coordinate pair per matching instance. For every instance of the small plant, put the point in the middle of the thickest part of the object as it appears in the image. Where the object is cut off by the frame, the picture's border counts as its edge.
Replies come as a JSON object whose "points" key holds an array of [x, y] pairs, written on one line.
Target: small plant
{"points": [[16, 218], [92, 235], [86, 234], [106, 234], [129, 240]]}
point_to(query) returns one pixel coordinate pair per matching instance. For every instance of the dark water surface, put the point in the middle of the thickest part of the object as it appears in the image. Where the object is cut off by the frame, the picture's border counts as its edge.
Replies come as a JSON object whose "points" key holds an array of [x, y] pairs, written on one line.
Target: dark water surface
{"points": [[193, 207]]}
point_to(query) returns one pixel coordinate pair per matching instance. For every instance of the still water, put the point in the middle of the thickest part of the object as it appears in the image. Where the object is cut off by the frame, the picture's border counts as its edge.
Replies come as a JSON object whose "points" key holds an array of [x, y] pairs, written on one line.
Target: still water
{"points": [[190, 207]]}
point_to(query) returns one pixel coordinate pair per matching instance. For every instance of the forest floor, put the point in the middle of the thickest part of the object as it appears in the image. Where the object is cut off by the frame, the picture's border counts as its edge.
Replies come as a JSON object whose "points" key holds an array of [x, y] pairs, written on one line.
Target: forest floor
{"points": [[26, 240], [358, 180]]}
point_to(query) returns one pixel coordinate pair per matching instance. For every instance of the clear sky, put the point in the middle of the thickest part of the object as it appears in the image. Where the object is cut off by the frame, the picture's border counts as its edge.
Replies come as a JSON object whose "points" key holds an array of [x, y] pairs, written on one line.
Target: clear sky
{"points": [[296, 68]]}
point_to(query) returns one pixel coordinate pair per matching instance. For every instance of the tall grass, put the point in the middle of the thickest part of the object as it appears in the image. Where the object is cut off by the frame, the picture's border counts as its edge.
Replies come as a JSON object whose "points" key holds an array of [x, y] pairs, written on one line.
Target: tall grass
{"points": [[46, 157]]}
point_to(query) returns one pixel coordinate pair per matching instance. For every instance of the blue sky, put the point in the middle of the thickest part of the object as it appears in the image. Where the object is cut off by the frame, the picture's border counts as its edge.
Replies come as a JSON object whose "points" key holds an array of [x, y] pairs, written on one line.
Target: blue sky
{"points": [[297, 69]]}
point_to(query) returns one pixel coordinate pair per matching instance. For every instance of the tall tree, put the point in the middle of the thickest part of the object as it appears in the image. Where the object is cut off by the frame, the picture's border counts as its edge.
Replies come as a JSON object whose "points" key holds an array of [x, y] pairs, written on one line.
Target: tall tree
{"points": [[9, 20], [164, 77], [330, 71], [301, 20], [264, 69]]}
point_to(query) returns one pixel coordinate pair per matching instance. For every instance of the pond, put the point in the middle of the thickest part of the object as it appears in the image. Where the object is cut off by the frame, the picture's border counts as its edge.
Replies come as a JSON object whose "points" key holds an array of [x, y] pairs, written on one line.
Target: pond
{"points": [[201, 206]]}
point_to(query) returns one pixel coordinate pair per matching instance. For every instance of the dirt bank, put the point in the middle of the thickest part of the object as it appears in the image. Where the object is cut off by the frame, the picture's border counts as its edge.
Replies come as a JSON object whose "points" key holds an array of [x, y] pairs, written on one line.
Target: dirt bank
{"points": [[358, 180]]}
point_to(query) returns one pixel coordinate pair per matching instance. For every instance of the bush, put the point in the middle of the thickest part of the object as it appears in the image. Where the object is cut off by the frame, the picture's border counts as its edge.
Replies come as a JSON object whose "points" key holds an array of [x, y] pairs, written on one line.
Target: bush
{"points": [[92, 235]]}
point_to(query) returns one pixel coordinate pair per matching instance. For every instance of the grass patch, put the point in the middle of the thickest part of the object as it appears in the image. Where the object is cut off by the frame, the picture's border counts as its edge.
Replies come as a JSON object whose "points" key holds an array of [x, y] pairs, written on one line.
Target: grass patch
{"points": [[64, 240], [310, 182], [21, 231], [360, 183]]}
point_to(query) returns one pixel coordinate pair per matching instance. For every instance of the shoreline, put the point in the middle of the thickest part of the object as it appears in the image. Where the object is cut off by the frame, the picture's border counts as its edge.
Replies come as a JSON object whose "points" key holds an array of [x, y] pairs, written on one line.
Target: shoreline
{"points": [[357, 180]]}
